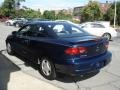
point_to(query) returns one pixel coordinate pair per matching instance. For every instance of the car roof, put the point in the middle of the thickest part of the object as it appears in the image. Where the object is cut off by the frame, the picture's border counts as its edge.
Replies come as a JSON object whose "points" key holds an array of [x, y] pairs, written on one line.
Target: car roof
{"points": [[44, 22], [91, 23]]}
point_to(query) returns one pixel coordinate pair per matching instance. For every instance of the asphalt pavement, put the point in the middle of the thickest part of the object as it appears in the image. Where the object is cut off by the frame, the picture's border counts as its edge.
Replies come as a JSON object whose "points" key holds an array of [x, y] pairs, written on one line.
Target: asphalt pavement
{"points": [[107, 79], [11, 75]]}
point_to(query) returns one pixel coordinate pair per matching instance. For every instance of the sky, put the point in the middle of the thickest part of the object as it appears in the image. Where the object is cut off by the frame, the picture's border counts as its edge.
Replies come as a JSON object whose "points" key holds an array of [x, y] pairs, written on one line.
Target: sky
{"points": [[55, 4]]}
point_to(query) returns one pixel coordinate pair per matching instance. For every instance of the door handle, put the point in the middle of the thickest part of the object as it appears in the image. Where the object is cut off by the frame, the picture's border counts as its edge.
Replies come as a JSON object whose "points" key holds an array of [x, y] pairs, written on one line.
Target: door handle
{"points": [[25, 41], [19, 36]]}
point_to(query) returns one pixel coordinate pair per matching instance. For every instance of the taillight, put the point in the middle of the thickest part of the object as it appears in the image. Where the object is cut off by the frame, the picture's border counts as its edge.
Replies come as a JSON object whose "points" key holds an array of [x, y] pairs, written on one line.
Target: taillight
{"points": [[75, 50], [82, 50]]}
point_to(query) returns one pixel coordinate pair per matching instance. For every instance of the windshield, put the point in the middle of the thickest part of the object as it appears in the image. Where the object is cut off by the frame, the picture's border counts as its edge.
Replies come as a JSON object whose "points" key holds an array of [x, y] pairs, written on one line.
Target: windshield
{"points": [[66, 30]]}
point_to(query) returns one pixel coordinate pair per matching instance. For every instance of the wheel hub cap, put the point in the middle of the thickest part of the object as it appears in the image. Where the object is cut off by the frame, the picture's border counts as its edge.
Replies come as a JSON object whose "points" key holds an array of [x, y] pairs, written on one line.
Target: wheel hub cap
{"points": [[8, 48], [46, 68]]}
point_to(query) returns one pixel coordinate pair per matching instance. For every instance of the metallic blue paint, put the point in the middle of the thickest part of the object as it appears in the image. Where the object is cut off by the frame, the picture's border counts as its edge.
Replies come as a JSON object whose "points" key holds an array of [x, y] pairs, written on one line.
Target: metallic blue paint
{"points": [[54, 48]]}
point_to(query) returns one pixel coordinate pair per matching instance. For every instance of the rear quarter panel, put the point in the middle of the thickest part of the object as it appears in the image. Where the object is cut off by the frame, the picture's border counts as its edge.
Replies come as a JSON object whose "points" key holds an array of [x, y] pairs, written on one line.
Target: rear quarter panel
{"points": [[52, 48]]}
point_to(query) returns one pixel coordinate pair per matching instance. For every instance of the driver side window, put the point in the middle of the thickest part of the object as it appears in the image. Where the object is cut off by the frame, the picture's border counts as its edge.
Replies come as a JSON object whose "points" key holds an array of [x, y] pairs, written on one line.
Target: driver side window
{"points": [[94, 25], [24, 30], [32, 31]]}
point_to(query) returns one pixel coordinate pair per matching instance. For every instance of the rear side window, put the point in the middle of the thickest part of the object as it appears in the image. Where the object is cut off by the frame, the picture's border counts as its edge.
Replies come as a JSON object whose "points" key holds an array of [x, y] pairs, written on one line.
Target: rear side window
{"points": [[65, 30], [76, 30], [25, 29], [85, 26], [93, 25], [58, 28], [39, 31]]}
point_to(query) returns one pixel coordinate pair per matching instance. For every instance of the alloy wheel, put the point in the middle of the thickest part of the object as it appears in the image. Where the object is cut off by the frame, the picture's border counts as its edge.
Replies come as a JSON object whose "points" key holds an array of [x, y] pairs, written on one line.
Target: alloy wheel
{"points": [[46, 67], [9, 50]]}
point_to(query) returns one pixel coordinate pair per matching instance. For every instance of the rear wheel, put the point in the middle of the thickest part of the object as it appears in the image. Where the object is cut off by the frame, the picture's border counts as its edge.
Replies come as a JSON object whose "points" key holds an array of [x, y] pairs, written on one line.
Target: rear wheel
{"points": [[16, 25], [107, 35], [47, 69], [8, 23], [9, 49]]}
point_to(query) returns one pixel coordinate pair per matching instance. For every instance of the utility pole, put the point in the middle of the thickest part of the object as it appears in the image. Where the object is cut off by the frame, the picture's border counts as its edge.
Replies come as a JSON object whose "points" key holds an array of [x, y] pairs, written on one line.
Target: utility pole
{"points": [[115, 14]]}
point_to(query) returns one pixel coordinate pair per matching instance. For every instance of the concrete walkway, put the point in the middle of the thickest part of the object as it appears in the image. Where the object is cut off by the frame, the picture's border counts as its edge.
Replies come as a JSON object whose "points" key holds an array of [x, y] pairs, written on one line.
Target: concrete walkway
{"points": [[21, 81], [12, 78]]}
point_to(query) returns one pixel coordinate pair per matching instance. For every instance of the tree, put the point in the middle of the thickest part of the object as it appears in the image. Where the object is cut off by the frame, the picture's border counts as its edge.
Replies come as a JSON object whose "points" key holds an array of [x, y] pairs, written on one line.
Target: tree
{"points": [[1, 12], [60, 15], [9, 4], [30, 13], [109, 16], [63, 15], [9, 7], [49, 15], [92, 12]]}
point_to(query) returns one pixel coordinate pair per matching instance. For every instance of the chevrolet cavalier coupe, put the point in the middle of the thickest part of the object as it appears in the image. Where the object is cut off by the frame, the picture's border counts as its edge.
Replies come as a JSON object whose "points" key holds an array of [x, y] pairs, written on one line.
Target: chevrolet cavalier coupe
{"points": [[59, 47]]}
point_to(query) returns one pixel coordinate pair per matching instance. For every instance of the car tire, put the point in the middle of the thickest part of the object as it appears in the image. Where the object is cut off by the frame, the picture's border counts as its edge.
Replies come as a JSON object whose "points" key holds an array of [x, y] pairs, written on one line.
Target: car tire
{"points": [[8, 23], [47, 69], [9, 49], [16, 25], [107, 35]]}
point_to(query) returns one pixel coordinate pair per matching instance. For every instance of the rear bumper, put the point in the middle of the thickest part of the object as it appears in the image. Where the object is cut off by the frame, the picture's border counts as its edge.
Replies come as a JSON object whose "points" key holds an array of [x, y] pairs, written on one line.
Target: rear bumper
{"points": [[85, 67], [114, 34]]}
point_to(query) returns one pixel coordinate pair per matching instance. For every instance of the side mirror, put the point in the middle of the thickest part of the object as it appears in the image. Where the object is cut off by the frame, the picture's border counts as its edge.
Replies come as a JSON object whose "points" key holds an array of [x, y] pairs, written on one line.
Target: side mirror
{"points": [[14, 32]]}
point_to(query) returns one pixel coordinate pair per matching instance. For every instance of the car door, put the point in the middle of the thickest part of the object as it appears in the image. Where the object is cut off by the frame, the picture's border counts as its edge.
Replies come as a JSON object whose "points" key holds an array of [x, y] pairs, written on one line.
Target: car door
{"points": [[97, 29], [34, 41], [30, 42], [94, 28], [87, 28], [21, 40]]}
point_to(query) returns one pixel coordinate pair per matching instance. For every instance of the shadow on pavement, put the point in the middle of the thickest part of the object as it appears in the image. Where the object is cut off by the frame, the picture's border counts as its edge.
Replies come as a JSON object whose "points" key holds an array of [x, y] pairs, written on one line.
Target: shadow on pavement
{"points": [[61, 77], [70, 79], [6, 68], [27, 62]]}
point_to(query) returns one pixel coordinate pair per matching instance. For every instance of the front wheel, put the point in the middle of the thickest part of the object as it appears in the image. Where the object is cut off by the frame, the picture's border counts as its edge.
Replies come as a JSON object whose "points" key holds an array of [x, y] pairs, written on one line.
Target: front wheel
{"points": [[17, 25], [9, 49], [47, 69], [8, 24], [107, 35]]}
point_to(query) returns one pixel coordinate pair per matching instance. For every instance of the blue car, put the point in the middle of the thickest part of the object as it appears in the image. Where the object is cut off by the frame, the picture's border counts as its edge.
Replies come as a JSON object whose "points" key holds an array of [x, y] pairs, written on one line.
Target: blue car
{"points": [[59, 47]]}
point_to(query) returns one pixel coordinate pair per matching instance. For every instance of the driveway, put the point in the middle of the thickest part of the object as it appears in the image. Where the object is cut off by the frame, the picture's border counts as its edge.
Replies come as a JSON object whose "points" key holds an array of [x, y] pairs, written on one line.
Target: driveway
{"points": [[107, 79]]}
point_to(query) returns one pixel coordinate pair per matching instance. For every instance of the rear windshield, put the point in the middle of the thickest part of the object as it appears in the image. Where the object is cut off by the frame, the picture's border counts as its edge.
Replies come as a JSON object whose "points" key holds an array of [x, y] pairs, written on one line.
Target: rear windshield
{"points": [[66, 30]]}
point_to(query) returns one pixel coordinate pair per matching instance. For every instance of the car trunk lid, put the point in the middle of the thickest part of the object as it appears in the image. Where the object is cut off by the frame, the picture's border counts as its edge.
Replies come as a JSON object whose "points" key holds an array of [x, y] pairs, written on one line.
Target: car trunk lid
{"points": [[95, 45]]}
